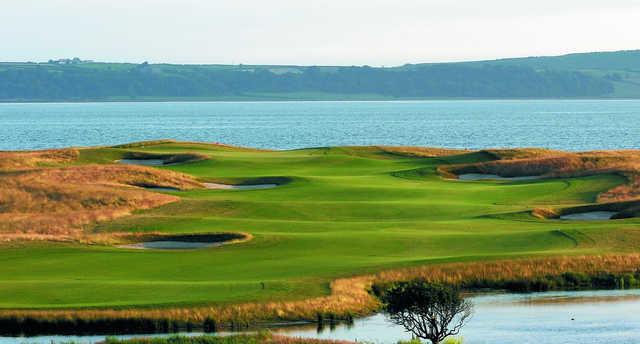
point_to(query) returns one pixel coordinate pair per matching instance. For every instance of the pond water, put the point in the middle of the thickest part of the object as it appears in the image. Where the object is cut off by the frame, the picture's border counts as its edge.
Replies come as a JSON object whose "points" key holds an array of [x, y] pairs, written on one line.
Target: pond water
{"points": [[554, 317], [571, 317], [561, 124]]}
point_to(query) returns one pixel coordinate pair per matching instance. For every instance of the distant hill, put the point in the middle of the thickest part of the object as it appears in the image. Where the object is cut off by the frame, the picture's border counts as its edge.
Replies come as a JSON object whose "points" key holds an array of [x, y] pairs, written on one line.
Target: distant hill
{"points": [[587, 75], [607, 60], [621, 68]]}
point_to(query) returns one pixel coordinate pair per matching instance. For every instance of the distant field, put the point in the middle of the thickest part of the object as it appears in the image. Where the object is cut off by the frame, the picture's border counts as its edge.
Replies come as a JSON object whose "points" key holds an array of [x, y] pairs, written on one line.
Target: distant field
{"points": [[345, 211]]}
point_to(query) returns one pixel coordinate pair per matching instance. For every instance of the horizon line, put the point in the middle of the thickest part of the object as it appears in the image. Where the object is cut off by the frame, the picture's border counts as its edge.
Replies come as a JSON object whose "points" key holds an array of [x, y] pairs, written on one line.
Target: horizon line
{"points": [[319, 65]]}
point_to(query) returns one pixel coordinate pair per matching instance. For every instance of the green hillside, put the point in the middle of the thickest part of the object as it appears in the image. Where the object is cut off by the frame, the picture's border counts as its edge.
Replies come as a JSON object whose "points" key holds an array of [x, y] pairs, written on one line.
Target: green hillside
{"points": [[622, 68], [588, 75]]}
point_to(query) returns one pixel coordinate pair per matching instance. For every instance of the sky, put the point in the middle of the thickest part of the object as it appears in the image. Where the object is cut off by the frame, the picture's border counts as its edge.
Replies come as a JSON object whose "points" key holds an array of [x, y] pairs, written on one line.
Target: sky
{"points": [[306, 32]]}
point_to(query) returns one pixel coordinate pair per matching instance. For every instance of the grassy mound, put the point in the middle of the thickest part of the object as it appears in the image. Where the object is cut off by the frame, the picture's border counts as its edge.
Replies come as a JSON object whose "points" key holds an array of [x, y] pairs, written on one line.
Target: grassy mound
{"points": [[557, 164], [11, 161], [56, 203]]}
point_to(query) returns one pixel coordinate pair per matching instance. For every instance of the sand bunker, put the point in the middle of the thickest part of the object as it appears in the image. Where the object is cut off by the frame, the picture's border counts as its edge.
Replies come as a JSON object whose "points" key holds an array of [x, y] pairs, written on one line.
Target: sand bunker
{"points": [[216, 186], [480, 176], [590, 215], [143, 162], [170, 245], [188, 242]]}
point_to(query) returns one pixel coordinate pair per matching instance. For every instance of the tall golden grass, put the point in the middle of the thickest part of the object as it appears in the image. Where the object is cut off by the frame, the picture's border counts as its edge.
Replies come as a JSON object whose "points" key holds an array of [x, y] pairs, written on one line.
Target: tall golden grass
{"points": [[522, 153], [350, 296], [10, 161], [258, 338], [277, 339], [56, 203], [420, 152], [516, 269], [116, 175], [624, 192]]}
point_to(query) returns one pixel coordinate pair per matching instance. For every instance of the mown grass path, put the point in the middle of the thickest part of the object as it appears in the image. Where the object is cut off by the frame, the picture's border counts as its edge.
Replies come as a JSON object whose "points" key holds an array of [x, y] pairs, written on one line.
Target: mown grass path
{"points": [[345, 211]]}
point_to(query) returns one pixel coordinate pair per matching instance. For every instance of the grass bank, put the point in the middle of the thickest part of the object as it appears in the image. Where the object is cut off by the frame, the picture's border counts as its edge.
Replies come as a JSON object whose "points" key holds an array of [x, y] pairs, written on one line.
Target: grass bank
{"points": [[260, 338]]}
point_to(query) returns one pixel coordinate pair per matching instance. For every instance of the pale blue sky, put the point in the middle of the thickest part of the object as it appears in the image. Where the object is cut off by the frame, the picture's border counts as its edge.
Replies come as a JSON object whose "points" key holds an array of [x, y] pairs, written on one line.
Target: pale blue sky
{"points": [[329, 32]]}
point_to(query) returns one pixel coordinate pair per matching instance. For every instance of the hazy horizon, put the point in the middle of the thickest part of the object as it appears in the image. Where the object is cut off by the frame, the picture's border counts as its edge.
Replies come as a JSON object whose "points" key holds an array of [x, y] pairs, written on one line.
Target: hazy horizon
{"points": [[333, 65], [288, 32]]}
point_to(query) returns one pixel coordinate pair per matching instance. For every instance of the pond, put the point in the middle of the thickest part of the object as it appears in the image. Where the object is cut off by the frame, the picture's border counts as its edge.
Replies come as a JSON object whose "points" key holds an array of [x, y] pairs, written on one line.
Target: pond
{"points": [[552, 317], [606, 316]]}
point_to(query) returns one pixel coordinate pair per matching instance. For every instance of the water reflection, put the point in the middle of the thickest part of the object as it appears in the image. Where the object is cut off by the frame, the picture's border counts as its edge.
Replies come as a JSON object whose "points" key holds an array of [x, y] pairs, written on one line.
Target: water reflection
{"points": [[585, 317], [554, 317]]}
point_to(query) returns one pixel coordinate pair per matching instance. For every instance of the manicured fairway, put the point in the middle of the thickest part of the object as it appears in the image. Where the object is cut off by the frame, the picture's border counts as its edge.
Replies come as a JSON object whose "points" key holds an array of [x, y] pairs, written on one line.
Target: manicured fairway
{"points": [[344, 211]]}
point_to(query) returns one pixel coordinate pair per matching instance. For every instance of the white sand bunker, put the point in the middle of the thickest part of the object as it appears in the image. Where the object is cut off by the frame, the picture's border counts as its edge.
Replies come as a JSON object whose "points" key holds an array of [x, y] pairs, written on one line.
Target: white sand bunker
{"points": [[170, 245], [143, 162], [216, 186], [482, 176], [590, 215], [188, 242]]}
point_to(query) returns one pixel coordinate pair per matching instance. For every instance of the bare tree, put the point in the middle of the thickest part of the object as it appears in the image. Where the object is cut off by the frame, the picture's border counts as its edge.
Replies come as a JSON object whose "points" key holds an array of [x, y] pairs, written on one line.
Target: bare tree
{"points": [[429, 311]]}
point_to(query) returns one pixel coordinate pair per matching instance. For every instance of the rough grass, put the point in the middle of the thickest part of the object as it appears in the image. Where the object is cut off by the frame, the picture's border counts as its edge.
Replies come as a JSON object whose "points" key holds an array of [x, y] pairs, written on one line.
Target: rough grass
{"points": [[624, 192], [526, 269], [523, 153], [11, 161], [420, 152], [260, 338], [567, 165], [57, 203]]}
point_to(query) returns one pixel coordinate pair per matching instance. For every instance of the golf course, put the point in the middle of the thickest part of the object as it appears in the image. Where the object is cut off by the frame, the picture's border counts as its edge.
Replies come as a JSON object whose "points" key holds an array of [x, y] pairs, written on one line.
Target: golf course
{"points": [[326, 214]]}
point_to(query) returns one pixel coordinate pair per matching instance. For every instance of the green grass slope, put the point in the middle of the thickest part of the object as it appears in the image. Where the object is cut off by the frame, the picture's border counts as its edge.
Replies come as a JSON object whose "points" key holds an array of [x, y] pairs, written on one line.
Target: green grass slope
{"points": [[344, 211]]}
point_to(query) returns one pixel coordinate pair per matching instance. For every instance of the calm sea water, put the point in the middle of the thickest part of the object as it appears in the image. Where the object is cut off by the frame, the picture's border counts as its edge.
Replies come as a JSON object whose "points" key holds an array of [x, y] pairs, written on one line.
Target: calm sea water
{"points": [[584, 317], [562, 124], [608, 316]]}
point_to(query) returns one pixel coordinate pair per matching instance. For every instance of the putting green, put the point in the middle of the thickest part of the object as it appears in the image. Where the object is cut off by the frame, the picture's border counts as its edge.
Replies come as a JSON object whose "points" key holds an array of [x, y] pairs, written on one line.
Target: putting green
{"points": [[344, 211]]}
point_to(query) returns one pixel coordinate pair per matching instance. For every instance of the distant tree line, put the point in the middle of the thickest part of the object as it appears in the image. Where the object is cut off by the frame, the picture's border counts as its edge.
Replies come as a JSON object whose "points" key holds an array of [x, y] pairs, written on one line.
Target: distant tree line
{"points": [[95, 81]]}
